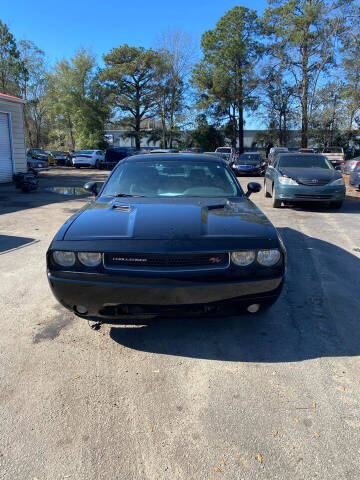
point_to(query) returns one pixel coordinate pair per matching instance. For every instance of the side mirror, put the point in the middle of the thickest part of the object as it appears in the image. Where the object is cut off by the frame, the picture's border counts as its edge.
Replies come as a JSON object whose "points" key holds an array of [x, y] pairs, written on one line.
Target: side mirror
{"points": [[253, 187], [337, 167], [91, 187]]}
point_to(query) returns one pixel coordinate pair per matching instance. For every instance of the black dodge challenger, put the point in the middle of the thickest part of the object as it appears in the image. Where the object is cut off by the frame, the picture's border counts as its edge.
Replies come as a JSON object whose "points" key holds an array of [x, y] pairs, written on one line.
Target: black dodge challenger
{"points": [[167, 233]]}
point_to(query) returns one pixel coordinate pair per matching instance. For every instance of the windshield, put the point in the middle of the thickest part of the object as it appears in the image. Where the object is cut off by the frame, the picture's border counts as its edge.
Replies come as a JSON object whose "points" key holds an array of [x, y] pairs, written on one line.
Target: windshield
{"points": [[333, 150], [84, 152], [305, 161], [169, 178], [249, 158], [223, 150], [55, 152]]}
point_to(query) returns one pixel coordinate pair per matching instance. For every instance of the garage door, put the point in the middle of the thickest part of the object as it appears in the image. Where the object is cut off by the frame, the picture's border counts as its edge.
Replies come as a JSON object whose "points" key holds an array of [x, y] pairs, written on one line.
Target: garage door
{"points": [[5, 149]]}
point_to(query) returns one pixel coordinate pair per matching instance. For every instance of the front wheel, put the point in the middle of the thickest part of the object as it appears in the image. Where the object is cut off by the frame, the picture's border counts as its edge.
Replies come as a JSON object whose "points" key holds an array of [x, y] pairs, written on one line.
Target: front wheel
{"points": [[336, 205], [77, 166], [266, 193], [275, 202]]}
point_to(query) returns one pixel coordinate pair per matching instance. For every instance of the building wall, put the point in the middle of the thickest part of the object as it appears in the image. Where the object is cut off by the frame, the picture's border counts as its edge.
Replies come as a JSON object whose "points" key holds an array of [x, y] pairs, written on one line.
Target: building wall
{"points": [[16, 111]]}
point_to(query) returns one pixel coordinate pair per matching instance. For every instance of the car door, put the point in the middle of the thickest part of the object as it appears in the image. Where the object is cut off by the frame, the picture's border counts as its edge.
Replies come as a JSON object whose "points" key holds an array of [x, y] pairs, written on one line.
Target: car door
{"points": [[269, 175]]}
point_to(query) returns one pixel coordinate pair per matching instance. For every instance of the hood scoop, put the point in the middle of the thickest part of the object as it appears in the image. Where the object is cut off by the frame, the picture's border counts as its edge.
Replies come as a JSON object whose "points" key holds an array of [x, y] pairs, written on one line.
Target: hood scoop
{"points": [[121, 207]]}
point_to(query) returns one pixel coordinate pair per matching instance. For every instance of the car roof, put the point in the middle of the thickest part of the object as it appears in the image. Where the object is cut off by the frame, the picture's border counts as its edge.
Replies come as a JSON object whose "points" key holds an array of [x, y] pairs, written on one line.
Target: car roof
{"points": [[299, 154], [149, 157]]}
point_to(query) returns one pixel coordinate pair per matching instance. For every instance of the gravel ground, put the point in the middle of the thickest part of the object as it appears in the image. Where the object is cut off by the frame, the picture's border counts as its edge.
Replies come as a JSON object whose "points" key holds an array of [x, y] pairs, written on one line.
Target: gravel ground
{"points": [[269, 396]]}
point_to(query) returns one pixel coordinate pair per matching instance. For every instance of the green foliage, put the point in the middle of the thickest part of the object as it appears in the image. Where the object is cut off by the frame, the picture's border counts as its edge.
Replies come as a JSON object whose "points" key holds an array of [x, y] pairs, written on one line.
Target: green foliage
{"points": [[12, 69], [225, 78], [78, 103], [206, 136], [132, 75]]}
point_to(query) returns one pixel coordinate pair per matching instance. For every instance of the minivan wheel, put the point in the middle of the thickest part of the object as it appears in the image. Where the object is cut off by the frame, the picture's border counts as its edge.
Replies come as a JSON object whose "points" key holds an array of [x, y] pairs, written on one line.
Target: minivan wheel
{"points": [[77, 166], [97, 164], [266, 193], [275, 202]]}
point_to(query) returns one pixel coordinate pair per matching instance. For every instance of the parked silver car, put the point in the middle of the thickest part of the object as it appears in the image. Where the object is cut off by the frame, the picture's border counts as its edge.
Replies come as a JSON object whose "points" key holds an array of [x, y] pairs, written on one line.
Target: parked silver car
{"points": [[354, 179], [350, 165]]}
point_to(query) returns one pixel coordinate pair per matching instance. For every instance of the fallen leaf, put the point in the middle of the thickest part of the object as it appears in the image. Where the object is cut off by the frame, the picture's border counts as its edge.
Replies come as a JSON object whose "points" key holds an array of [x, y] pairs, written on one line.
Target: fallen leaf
{"points": [[358, 381], [180, 363], [316, 434], [44, 363], [222, 461], [260, 457], [297, 420], [217, 469], [276, 432], [151, 430], [346, 400], [314, 404], [77, 376], [156, 371], [343, 389]]}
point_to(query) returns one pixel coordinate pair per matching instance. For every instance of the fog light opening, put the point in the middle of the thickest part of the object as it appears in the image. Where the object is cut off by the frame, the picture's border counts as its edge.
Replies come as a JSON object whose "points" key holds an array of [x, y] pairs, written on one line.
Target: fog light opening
{"points": [[81, 309], [255, 307]]}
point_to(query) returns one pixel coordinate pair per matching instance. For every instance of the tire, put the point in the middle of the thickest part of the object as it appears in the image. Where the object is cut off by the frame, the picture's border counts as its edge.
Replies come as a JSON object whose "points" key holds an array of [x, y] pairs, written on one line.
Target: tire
{"points": [[275, 202], [266, 193], [77, 166], [336, 205], [97, 165]]}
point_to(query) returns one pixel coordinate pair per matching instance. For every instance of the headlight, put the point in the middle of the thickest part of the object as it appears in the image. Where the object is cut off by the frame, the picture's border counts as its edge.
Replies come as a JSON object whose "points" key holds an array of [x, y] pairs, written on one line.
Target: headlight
{"points": [[339, 181], [287, 181], [65, 259], [243, 258], [90, 259], [268, 258]]}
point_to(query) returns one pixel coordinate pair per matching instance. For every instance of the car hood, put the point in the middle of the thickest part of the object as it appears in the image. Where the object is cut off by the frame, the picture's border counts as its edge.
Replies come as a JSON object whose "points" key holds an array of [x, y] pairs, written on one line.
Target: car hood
{"points": [[300, 174], [142, 218]]}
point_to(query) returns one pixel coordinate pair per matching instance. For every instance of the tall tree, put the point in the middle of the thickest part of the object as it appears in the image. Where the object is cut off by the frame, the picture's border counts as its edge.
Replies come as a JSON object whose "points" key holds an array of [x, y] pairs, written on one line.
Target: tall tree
{"points": [[78, 103], [132, 74], [12, 69], [305, 33], [225, 77], [33, 89], [178, 52], [277, 105], [206, 136]]}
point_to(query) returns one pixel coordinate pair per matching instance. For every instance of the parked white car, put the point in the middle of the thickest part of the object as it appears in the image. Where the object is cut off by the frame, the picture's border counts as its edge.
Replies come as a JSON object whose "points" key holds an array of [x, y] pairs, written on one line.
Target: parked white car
{"points": [[228, 153], [88, 158]]}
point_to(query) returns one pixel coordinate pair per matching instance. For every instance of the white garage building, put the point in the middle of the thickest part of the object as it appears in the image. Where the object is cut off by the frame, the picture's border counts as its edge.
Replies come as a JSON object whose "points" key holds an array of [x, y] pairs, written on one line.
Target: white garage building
{"points": [[12, 137]]}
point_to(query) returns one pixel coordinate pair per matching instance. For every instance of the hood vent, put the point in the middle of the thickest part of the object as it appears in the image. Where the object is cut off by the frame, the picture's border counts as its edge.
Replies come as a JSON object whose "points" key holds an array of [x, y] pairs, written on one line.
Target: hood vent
{"points": [[121, 207]]}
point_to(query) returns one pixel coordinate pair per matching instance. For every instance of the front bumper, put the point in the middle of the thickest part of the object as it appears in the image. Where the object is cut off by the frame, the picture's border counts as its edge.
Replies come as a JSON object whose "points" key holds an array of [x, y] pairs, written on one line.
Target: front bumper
{"points": [[109, 297], [303, 193], [245, 172]]}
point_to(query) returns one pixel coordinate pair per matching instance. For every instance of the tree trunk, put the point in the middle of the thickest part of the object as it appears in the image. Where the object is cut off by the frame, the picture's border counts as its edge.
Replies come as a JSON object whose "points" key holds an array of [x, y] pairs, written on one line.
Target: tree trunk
{"points": [[71, 133], [304, 100], [241, 116]]}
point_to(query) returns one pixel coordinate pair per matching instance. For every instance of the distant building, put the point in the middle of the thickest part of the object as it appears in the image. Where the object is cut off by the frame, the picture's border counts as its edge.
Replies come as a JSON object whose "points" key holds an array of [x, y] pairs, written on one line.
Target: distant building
{"points": [[119, 138], [12, 137]]}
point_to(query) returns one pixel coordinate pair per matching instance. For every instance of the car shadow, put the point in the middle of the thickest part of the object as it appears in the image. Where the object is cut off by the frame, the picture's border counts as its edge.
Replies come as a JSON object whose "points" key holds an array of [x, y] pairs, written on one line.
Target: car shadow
{"points": [[351, 205], [315, 316], [9, 242]]}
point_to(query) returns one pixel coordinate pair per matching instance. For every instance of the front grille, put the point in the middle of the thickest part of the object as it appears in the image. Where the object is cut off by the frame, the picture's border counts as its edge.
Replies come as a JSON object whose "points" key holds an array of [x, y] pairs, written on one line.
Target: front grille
{"points": [[171, 261], [313, 182], [313, 197]]}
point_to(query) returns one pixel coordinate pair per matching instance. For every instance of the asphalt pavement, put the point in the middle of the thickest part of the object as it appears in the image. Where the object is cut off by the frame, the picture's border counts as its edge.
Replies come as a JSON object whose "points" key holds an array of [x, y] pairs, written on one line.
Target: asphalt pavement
{"points": [[268, 396]]}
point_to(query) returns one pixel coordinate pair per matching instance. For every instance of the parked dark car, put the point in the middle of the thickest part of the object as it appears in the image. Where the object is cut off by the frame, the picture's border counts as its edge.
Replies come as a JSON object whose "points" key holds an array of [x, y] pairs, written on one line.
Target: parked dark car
{"points": [[300, 177], [37, 154], [113, 155], [249, 163], [36, 165], [354, 179], [59, 157], [167, 234]]}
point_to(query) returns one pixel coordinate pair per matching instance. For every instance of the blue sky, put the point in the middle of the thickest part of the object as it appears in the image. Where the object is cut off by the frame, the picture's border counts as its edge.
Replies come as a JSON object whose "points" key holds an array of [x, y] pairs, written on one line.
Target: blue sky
{"points": [[61, 27]]}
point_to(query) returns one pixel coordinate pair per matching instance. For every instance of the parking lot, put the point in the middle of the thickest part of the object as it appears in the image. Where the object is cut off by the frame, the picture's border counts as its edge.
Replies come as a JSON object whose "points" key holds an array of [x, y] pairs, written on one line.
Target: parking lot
{"points": [[269, 396]]}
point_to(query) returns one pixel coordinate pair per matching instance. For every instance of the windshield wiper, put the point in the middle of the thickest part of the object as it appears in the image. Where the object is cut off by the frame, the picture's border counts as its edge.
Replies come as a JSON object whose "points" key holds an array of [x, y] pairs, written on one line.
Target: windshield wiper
{"points": [[126, 195]]}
